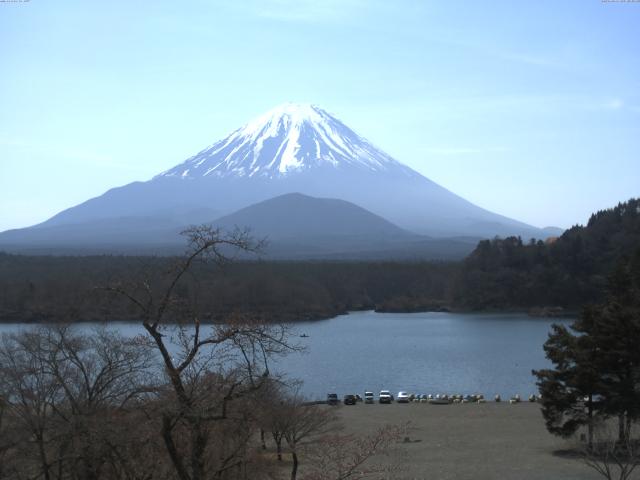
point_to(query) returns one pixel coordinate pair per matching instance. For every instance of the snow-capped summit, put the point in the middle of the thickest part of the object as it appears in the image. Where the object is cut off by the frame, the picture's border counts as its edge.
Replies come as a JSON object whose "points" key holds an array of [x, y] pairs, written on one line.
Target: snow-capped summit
{"points": [[290, 138], [294, 148]]}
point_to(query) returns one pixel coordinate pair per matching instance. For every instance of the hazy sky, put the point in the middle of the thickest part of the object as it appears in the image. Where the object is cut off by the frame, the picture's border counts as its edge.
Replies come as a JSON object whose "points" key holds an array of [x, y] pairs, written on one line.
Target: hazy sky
{"points": [[530, 109]]}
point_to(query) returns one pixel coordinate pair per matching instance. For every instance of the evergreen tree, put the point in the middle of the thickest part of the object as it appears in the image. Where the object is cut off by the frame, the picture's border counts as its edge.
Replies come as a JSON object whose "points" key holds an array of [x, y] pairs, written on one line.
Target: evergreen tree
{"points": [[596, 370], [619, 337], [569, 390]]}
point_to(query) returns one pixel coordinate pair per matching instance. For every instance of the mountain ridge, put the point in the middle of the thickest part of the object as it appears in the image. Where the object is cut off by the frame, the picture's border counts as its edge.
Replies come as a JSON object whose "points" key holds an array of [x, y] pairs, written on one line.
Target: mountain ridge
{"points": [[290, 215], [295, 226], [294, 148]]}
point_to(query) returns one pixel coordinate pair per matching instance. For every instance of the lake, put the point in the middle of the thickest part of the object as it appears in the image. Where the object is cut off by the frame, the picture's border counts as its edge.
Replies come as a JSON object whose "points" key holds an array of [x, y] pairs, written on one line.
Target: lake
{"points": [[417, 352]]}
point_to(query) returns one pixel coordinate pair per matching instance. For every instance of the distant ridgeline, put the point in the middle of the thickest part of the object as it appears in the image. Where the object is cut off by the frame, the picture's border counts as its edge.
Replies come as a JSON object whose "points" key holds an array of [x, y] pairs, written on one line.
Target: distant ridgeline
{"points": [[500, 274], [569, 271]]}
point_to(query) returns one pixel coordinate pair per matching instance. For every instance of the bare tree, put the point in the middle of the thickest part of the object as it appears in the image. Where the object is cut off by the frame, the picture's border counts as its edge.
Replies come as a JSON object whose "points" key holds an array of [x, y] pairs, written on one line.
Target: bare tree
{"points": [[7, 437], [66, 392], [30, 394], [208, 367], [612, 458], [277, 425], [342, 457], [299, 423], [273, 413], [99, 375]]}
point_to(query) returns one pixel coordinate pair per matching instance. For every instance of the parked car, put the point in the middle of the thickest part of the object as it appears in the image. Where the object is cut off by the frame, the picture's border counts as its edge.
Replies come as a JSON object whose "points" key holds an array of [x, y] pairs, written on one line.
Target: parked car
{"points": [[403, 397], [368, 397], [332, 398], [385, 396], [440, 400], [349, 399]]}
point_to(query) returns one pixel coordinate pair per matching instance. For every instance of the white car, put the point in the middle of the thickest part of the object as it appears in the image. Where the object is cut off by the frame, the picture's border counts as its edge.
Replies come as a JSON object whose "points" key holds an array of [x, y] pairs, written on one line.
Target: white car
{"points": [[403, 397], [368, 397], [385, 396]]}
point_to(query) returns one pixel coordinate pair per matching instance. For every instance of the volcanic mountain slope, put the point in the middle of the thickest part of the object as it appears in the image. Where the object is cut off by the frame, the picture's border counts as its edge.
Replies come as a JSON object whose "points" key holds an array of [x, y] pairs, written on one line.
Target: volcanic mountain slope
{"points": [[292, 148], [299, 226], [294, 215], [293, 226]]}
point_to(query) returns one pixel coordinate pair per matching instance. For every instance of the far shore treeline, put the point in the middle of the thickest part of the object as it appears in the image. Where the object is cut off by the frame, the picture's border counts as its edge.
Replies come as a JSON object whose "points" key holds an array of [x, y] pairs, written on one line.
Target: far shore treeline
{"points": [[552, 277]]}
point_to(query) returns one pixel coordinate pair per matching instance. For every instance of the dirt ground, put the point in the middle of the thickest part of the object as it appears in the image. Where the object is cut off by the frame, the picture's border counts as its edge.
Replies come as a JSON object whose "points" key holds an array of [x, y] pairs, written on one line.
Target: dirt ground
{"points": [[471, 441]]}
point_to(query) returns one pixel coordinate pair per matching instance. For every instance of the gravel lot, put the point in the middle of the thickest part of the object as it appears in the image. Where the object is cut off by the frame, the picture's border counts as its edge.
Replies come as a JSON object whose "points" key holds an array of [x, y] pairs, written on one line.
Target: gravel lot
{"points": [[471, 441]]}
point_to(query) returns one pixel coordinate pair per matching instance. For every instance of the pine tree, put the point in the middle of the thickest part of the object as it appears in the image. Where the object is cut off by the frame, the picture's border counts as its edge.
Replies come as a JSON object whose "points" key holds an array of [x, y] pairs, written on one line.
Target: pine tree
{"points": [[619, 338], [596, 361], [569, 390]]}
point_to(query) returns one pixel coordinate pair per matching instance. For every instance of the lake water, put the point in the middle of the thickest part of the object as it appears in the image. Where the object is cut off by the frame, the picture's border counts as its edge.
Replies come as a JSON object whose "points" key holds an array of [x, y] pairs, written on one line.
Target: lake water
{"points": [[417, 352]]}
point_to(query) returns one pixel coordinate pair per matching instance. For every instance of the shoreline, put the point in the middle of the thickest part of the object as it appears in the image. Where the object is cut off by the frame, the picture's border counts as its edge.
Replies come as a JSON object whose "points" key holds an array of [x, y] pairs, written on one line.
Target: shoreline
{"points": [[565, 314]]}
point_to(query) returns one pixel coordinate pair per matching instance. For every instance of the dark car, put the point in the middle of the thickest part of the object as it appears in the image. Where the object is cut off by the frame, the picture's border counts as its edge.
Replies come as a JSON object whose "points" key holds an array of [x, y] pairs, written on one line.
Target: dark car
{"points": [[349, 400], [332, 398]]}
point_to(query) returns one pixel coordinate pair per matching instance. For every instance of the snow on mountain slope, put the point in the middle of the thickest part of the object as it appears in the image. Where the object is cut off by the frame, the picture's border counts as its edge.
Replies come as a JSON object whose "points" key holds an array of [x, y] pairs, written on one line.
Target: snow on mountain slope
{"points": [[293, 148], [286, 140]]}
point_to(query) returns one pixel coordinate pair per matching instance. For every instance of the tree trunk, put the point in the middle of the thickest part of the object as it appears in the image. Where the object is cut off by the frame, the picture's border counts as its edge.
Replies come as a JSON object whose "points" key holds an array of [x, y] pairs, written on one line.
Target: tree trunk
{"points": [[198, 446], [294, 466], [264, 445], [278, 441], [590, 424], [621, 428], [43, 457], [176, 458]]}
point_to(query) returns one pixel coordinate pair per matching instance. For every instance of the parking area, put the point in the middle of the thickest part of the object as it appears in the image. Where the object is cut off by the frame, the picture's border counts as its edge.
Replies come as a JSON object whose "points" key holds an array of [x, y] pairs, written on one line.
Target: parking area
{"points": [[470, 441]]}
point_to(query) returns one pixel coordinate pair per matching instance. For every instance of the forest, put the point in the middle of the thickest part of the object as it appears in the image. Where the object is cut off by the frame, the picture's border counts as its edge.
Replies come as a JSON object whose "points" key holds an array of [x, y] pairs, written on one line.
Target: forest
{"points": [[556, 276], [567, 272]]}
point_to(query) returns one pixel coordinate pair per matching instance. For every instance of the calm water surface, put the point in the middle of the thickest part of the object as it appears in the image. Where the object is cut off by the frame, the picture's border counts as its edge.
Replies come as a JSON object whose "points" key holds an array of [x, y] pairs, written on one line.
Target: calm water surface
{"points": [[418, 352], [422, 353]]}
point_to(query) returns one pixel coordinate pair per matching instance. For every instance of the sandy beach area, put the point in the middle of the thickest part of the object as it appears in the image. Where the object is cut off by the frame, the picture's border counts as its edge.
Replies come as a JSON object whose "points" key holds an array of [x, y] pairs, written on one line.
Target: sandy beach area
{"points": [[470, 441]]}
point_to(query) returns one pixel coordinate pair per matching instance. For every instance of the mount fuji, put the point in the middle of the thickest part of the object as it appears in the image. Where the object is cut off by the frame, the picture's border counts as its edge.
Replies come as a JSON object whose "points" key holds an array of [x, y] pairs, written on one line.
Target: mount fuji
{"points": [[292, 148], [289, 140]]}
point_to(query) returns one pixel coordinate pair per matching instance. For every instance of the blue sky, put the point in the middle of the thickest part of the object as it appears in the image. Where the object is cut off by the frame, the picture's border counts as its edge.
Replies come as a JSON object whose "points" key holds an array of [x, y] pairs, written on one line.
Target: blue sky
{"points": [[529, 109]]}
